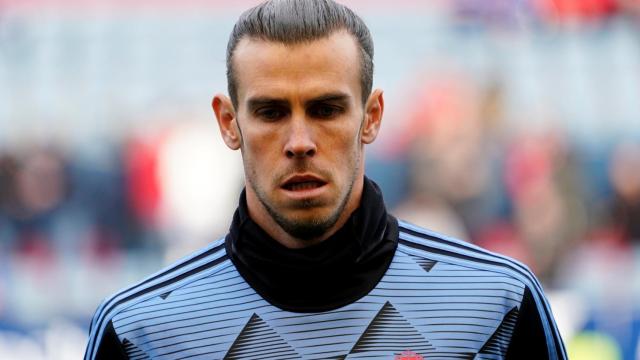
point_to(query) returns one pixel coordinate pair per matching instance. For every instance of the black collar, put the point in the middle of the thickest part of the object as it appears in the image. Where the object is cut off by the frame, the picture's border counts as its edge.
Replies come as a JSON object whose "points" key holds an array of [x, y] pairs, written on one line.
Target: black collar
{"points": [[326, 276]]}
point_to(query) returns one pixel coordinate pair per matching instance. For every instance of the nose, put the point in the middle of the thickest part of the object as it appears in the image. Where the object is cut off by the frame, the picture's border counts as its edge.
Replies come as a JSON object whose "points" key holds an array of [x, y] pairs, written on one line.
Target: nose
{"points": [[300, 141]]}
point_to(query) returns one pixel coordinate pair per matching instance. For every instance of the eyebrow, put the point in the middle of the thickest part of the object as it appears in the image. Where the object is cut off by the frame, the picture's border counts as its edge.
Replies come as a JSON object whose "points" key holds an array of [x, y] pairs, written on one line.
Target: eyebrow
{"points": [[257, 102], [332, 97]]}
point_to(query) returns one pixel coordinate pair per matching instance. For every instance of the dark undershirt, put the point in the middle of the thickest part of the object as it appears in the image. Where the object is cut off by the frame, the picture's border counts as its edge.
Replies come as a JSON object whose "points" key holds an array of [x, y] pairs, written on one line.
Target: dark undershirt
{"points": [[322, 277]]}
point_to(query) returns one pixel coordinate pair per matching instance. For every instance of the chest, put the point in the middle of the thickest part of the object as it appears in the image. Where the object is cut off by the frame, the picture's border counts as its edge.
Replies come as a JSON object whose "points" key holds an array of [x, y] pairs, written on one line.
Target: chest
{"points": [[419, 310]]}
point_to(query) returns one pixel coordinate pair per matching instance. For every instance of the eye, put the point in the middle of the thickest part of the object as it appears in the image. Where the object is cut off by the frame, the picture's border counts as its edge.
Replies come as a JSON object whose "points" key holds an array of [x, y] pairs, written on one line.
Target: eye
{"points": [[324, 111], [271, 113]]}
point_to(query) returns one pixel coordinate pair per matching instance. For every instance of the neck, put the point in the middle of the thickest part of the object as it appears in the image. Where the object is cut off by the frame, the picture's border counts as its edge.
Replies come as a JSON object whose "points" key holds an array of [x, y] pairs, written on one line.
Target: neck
{"points": [[259, 214], [342, 268]]}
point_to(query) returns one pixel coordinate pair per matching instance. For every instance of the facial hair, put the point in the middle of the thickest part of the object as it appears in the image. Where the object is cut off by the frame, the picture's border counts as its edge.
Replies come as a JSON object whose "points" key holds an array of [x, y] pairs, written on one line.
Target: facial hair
{"points": [[306, 229]]}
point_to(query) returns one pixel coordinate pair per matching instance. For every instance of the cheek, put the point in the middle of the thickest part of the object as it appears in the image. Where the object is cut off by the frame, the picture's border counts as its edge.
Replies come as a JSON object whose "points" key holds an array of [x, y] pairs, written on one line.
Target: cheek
{"points": [[344, 142], [261, 146]]}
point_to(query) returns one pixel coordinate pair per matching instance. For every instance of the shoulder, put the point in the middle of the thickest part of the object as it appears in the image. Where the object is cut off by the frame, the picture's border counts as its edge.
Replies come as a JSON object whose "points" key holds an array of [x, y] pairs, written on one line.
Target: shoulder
{"points": [[428, 245], [184, 270]]}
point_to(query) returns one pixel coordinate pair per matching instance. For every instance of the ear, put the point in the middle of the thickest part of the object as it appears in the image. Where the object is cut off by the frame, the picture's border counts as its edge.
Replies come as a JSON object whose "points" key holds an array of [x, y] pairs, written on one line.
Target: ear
{"points": [[226, 116], [372, 116]]}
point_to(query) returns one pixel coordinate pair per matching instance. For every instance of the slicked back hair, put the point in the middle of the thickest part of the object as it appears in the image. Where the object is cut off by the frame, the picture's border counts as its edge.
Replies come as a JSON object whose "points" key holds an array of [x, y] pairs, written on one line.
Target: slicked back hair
{"points": [[299, 21]]}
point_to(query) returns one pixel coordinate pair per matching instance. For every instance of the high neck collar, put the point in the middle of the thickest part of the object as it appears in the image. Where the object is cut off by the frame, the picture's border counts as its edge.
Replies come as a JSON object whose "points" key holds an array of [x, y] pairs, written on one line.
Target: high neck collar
{"points": [[325, 276]]}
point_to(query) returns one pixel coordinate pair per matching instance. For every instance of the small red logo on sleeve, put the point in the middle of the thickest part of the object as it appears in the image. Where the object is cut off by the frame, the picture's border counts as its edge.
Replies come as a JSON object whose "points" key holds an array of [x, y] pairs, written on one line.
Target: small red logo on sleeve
{"points": [[408, 355]]}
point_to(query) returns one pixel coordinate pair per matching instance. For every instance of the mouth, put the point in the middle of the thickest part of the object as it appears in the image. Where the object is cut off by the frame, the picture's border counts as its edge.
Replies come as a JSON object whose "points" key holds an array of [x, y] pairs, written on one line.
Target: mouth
{"points": [[303, 183]]}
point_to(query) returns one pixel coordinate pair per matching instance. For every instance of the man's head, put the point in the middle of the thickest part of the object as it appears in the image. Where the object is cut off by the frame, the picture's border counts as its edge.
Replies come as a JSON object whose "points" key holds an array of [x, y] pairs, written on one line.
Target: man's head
{"points": [[298, 21], [300, 120]]}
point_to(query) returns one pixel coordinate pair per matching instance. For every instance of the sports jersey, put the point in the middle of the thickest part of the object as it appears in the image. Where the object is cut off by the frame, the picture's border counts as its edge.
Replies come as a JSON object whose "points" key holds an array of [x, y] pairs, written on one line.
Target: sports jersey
{"points": [[378, 288]]}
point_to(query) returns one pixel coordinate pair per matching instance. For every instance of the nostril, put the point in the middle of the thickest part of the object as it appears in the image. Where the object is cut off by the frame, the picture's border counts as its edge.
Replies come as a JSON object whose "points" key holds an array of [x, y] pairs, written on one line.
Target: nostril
{"points": [[303, 153]]}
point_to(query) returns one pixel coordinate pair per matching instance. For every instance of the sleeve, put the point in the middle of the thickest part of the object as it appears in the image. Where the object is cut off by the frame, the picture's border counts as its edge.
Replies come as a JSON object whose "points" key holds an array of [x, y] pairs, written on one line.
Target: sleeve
{"points": [[109, 346], [529, 339]]}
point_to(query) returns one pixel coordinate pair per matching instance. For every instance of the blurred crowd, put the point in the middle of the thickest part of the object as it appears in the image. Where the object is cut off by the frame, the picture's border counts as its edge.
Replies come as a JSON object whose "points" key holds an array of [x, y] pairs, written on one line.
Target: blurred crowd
{"points": [[52, 204], [510, 124], [529, 192]]}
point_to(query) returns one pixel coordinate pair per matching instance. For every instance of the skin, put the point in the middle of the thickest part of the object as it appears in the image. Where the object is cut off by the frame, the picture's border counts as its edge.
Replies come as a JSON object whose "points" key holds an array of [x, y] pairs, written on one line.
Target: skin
{"points": [[300, 113]]}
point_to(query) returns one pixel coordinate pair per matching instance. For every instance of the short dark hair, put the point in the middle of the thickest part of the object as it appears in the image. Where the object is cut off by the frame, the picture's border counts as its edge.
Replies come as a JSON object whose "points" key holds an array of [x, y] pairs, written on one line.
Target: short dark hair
{"points": [[298, 21]]}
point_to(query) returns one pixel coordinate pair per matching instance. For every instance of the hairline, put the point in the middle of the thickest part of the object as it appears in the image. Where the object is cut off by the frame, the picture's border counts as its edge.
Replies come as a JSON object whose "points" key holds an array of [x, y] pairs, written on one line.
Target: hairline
{"points": [[362, 55]]}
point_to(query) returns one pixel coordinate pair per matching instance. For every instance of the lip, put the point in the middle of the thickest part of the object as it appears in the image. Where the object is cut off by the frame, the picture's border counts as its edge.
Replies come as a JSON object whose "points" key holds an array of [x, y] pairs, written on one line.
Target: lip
{"points": [[303, 192]]}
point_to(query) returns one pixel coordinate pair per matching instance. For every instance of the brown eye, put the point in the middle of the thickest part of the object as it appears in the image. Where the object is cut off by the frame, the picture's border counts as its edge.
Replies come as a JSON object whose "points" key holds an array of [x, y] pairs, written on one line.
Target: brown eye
{"points": [[324, 111], [271, 114]]}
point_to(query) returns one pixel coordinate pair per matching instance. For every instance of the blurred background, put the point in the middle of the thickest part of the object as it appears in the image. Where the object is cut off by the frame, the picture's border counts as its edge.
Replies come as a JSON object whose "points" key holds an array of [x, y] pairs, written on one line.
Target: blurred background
{"points": [[512, 124]]}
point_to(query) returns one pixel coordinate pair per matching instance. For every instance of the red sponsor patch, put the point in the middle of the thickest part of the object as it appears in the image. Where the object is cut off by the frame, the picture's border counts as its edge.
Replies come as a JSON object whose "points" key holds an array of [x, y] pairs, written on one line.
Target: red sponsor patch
{"points": [[408, 355]]}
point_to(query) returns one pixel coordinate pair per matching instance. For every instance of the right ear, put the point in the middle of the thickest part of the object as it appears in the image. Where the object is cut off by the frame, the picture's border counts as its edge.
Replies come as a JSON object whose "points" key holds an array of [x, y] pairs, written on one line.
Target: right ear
{"points": [[226, 115]]}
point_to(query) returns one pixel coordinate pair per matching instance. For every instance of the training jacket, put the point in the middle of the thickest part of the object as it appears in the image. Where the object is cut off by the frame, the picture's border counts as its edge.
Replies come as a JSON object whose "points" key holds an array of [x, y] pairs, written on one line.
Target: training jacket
{"points": [[377, 289]]}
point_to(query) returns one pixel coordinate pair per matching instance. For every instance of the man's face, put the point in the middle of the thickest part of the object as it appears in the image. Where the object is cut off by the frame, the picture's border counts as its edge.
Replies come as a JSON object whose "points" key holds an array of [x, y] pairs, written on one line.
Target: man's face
{"points": [[299, 118]]}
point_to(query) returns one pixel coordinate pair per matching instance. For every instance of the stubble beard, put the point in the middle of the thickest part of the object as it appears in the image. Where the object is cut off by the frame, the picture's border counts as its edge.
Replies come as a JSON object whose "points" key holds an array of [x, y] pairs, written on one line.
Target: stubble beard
{"points": [[306, 229]]}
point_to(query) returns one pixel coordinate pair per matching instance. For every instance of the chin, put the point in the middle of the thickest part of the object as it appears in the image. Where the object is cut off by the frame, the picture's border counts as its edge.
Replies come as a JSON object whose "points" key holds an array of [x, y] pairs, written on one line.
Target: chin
{"points": [[308, 228], [316, 219]]}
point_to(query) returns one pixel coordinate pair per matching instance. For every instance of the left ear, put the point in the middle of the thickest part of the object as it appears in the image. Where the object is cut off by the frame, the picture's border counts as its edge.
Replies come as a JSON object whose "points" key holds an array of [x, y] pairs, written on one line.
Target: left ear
{"points": [[372, 116]]}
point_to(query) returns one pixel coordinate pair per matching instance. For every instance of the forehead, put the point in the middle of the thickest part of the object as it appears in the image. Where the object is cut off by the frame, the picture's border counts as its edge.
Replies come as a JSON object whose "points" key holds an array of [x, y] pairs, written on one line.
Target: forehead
{"points": [[268, 68]]}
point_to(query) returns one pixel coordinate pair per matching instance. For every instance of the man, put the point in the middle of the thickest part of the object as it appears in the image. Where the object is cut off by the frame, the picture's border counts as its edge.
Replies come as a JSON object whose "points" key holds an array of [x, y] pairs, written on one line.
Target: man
{"points": [[313, 267]]}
